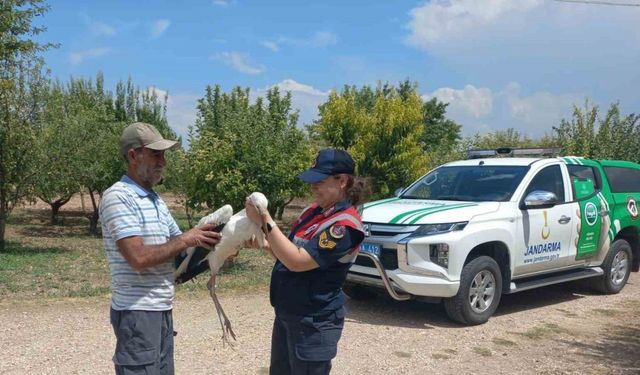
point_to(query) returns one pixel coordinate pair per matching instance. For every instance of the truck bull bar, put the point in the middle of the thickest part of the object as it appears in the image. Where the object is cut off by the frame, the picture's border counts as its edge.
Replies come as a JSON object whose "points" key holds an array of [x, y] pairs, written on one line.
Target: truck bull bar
{"points": [[399, 296]]}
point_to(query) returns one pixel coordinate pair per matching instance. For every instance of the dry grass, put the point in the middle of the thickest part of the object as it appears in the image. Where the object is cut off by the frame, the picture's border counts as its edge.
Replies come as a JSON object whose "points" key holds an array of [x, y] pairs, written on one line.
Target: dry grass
{"points": [[53, 261], [482, 351], [544, 331], [402, 354], [439, 356], [607, 311], [503, 342]]}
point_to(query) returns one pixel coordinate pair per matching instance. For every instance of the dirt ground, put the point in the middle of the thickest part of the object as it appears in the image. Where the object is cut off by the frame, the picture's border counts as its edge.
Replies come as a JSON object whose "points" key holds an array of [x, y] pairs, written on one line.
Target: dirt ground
{"points": [[563, 329]]}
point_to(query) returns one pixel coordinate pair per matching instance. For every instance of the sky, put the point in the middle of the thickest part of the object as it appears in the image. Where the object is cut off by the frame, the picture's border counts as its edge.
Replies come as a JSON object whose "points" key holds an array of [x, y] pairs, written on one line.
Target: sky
{"points": [[499, 64]]}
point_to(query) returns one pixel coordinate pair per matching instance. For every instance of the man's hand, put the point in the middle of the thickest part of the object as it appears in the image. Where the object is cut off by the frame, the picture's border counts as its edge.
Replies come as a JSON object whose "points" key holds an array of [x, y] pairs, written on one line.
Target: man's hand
{"points": [[203, 236], [141, 256]]}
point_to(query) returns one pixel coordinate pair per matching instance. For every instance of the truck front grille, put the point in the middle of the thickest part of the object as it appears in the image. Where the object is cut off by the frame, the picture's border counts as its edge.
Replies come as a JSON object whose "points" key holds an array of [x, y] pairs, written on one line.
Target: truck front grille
{"points": [[387, 235], [388, 258]]}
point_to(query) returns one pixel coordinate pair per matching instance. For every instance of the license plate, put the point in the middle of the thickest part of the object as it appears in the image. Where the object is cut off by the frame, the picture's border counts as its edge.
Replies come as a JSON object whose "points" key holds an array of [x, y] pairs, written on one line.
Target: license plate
{"points": [[371, 248]]}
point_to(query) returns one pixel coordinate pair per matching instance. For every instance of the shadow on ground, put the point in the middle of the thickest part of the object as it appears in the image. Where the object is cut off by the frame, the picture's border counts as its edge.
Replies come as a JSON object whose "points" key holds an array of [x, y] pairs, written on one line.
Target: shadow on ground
{"points": [[32, 216], [16, 248], [385, 311], [618, 349], [53, 231], [36, 223], [382, 310], [543, 297]]}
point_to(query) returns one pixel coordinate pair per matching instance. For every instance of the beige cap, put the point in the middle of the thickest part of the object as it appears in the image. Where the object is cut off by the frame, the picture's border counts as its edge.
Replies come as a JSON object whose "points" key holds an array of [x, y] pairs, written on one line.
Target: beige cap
{"points": [[140, 134]]}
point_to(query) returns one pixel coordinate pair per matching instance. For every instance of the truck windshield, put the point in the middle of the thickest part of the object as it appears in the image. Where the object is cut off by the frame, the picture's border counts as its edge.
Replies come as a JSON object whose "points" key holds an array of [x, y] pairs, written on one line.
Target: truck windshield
{"points": [[468, 183]]}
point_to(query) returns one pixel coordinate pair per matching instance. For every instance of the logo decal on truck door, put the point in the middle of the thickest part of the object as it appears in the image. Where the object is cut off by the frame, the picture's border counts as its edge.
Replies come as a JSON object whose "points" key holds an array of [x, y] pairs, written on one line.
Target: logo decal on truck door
{"points": [[632, 207], [591, 213], [546, 231]]}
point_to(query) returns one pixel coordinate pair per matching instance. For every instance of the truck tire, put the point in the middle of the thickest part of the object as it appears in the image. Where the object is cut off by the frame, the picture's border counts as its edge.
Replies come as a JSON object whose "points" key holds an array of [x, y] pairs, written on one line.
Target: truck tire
{"points": [[358, 292], [616, 266], [479, 293]]}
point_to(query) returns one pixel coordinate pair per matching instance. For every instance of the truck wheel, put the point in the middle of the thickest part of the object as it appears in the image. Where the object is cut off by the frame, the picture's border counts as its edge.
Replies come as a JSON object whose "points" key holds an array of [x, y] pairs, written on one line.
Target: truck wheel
{"points": [[357, 292], [479, 293], [617, 267]]}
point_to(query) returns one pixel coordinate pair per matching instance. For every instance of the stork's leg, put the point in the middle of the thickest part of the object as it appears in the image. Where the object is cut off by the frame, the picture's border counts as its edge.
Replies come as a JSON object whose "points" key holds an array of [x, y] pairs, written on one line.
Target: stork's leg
{"points": [[224, 321], [211, 285]]}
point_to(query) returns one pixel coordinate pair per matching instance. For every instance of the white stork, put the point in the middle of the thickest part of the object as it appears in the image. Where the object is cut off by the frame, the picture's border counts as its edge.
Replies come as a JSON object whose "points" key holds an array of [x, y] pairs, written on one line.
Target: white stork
{"points": [[217, 218], [237, 230]]}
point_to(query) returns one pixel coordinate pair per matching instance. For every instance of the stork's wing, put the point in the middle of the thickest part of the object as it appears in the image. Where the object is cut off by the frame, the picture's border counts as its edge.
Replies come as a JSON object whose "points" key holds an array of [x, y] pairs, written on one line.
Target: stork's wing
{"points": [[221, 215], [196, 265]]}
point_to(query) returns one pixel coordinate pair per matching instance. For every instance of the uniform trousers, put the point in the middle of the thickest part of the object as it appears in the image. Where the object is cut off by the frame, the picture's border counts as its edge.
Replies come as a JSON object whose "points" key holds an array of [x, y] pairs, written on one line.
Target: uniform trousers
{"points": [[305, 345]]}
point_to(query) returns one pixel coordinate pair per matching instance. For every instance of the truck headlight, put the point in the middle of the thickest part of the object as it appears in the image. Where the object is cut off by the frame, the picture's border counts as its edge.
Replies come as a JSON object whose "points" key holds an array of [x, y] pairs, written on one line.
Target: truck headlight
{"points": [[431, 229], [439, 254]]}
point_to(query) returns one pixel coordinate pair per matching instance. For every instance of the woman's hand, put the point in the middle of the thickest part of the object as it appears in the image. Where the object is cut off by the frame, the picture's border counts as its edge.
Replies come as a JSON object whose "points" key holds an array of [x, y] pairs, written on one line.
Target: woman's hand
{"points": [[254, 215]]}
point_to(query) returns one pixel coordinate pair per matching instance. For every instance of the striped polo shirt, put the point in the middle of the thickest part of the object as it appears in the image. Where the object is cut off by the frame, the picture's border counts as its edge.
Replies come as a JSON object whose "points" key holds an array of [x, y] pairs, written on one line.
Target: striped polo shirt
{"points": [[126, 210]]}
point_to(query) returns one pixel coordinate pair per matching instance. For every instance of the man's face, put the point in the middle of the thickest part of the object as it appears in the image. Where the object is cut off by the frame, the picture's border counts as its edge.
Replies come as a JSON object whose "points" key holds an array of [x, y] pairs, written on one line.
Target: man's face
{"points": [[149, 165]]}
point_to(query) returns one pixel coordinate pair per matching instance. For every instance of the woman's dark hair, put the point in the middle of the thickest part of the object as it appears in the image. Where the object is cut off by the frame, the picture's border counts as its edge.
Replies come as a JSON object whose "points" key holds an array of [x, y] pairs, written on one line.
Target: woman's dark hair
{"points": [[357, 189]]}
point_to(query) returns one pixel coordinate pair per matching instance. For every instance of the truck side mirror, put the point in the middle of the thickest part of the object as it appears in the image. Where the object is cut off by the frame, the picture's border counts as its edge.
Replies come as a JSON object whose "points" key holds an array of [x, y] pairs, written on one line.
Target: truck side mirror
{"points": [[539, 199]]}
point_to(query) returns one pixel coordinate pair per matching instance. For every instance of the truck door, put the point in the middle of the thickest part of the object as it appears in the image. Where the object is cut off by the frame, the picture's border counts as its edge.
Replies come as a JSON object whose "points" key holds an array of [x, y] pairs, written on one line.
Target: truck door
{"points": [[545, 234], [586, 192]]}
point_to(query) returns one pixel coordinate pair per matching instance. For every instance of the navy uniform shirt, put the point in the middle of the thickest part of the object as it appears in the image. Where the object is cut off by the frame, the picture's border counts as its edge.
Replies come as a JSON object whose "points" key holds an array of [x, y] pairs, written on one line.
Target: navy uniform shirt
{"points": [[318, 291]]}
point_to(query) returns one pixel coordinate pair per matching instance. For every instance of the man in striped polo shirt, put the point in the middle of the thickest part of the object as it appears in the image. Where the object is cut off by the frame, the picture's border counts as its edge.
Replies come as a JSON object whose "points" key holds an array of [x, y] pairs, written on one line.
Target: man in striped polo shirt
{"points": [[141, 239]]}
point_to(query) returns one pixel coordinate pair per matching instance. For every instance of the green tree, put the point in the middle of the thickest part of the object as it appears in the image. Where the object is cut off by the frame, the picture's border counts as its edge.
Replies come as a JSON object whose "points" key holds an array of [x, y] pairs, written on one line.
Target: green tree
{"points": [[502, 138], [344, 117], [152, 109], [577, 137], [440, 133], [177, 178], [60, 139], [22, 89], [383, 132], [589, 135], [80, 141], [285, 151], [98, 162], [238, 147], [616, 137]]}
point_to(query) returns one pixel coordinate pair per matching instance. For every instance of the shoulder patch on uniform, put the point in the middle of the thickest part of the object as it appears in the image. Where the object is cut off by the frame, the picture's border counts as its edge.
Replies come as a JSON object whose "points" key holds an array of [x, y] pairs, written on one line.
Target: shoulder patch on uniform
{"points": [[337, 231], [325, 243]]}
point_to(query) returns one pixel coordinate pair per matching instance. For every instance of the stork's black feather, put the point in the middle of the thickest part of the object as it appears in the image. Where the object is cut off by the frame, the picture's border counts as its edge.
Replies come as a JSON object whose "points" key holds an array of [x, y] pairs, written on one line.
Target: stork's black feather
{"points": [[196, 265]]}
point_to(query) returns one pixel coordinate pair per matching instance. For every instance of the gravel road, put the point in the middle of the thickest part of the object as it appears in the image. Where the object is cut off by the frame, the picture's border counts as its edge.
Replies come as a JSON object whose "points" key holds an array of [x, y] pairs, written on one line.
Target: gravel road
{"points": [[564, 329]]}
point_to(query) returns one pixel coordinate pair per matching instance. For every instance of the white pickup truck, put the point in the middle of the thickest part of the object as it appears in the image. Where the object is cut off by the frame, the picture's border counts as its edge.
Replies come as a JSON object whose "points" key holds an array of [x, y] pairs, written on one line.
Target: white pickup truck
{"points": [[469, 231]]}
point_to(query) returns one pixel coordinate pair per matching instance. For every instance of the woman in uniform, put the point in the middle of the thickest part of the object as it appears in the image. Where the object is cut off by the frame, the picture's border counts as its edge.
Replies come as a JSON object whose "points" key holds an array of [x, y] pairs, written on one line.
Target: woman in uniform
{"points": [[312, 264]]}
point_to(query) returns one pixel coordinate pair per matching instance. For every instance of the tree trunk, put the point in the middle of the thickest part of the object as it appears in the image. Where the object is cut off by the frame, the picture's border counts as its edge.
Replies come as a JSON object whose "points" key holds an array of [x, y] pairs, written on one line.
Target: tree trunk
{"points": [[93, 223], [55, 209], [93, 219], [189, 214], [3, 223], [280, 209], [82, 201], [5, 210]]}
